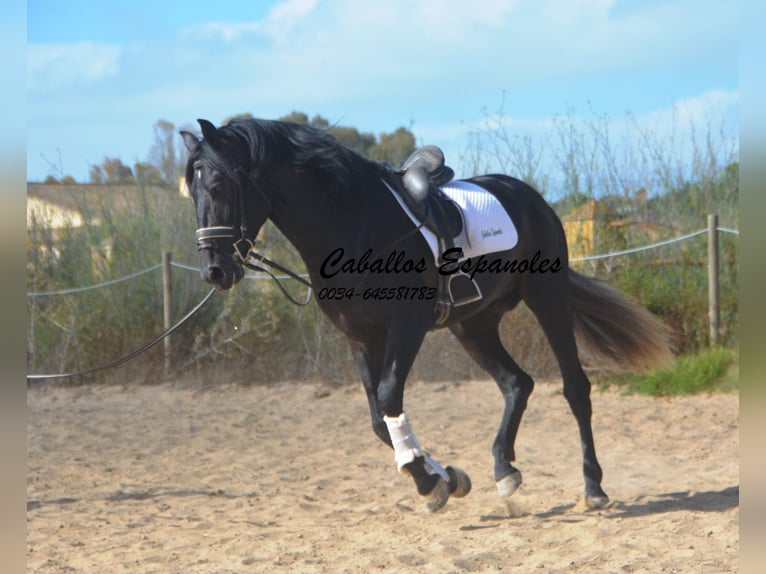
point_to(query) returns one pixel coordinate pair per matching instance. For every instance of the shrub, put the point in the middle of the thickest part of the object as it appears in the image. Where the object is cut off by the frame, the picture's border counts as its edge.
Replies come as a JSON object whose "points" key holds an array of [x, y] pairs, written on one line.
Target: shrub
{"points": [[704, 372]]}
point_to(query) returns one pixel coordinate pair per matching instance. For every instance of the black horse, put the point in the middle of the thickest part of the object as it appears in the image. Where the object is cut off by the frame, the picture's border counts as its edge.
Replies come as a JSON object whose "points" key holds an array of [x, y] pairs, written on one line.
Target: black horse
{"points": [[378, 282]]}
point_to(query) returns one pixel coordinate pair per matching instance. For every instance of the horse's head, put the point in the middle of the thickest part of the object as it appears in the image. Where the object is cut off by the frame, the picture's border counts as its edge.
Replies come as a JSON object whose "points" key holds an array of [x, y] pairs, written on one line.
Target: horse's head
{"points": [[220, 184]]}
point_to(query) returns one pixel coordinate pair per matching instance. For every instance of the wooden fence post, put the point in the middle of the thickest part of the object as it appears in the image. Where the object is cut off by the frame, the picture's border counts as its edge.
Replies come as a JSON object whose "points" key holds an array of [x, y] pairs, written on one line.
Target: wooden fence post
{"points": [[167, 304], [712, 277]]}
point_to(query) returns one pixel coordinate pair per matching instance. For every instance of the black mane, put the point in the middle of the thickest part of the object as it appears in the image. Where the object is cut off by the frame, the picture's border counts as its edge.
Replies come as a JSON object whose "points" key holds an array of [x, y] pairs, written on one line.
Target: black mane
{"points": [[253, 145]]}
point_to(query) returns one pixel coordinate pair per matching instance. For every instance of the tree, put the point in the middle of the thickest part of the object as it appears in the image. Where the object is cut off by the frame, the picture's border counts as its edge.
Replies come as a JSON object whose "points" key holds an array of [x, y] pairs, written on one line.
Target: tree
{"points": [[245, 116], [361, 143], [166, 153], [66, 180], [394, 148], [296, 118], [147, 174], [319, 122], [110, 170], [116, 171], [96, 174]]}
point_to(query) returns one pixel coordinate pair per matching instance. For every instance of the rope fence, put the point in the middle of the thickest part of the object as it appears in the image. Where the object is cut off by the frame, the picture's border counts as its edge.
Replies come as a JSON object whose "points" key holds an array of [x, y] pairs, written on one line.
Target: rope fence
{"points": [[133, 276], [96, 285], [257, 277], [638, 249], [167, 264]]}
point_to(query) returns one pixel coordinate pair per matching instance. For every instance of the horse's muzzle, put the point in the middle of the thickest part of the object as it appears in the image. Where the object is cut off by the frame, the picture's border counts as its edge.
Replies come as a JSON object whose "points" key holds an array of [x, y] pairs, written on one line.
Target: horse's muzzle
{"points": [[217, 264], [222, 274]]}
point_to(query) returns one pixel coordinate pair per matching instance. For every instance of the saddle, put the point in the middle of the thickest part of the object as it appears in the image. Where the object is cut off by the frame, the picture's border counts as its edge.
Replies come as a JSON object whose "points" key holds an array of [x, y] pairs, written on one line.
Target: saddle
{"points": [[423, 173]]}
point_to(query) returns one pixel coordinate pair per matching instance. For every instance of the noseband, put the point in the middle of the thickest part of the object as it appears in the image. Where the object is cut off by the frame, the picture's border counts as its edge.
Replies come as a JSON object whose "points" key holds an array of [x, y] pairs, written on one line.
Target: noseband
{"points": [[218, 238]]}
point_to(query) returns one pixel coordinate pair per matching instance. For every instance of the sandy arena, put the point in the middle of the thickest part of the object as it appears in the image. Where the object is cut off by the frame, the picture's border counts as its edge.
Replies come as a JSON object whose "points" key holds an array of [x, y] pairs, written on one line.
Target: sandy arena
{"points": [[290, 478]]}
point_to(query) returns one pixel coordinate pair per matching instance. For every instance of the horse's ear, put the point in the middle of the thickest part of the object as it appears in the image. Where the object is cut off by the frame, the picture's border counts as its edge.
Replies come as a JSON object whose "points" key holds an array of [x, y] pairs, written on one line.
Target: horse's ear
{"points": [[210, 133], [190, 141]]}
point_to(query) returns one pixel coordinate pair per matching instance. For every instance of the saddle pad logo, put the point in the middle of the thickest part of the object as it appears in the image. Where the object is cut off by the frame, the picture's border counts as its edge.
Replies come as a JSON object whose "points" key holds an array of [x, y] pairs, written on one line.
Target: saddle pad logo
{"points": [[488, 227]]}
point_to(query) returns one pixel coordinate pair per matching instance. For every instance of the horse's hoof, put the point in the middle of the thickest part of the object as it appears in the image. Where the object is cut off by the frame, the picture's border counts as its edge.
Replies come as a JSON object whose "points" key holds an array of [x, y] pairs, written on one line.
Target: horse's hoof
{"points": [[509, 484], [437, 498], [459, 482], [596, 502]]}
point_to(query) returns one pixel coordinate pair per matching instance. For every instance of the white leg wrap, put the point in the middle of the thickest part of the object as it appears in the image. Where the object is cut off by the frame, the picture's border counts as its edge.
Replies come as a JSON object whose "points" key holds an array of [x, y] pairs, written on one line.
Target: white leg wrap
{"points": [[407, 447]]}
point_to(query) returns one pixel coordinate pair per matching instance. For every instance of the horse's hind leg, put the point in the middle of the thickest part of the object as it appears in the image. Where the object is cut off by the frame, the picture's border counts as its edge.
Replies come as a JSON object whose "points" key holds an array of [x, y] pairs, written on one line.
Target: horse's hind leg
{"points": [[480, 337], [550, 304]]}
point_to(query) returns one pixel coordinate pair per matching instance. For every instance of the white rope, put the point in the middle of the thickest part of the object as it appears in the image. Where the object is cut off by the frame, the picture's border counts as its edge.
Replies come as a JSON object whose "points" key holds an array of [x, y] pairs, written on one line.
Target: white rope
{"points": [[182, 266], [643, 248], [96, 285]]}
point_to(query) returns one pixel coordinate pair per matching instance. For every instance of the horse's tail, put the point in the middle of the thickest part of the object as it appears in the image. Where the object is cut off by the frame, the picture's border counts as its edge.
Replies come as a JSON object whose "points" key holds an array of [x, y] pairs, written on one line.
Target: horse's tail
{"points": [[615, 330]]}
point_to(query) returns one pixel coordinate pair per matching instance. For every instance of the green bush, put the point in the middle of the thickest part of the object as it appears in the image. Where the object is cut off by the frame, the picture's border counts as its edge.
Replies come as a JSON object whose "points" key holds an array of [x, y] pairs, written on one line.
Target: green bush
{"points": [[124, 230], [708, 371]]}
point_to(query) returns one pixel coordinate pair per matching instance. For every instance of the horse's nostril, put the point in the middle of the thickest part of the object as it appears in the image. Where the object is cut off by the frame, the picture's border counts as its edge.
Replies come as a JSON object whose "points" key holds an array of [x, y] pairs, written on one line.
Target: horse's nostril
{"points": [[215, 274]]}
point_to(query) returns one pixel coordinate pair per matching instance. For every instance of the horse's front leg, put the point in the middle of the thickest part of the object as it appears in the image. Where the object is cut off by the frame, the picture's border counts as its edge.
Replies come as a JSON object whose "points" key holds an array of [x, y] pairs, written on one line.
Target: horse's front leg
{"points": [[432, 480]]}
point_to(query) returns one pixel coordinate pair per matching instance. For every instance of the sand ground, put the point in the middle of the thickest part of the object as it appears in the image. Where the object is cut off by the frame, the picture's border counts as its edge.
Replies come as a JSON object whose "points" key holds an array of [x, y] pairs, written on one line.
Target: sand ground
{"points": [[290, 478]]}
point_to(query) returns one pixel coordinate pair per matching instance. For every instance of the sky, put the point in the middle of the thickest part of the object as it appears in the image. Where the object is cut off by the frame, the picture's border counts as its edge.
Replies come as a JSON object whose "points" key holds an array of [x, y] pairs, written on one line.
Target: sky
{"points": [[100, 74]]}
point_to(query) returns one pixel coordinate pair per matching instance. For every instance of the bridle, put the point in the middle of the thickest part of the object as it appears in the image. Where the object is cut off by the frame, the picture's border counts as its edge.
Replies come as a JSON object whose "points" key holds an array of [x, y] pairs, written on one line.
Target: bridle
{"points": [[220, 238]]}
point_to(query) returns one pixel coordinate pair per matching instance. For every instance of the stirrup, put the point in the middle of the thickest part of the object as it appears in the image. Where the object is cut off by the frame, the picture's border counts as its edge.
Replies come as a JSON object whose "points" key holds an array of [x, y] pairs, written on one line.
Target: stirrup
{"points": [[462, 289]]}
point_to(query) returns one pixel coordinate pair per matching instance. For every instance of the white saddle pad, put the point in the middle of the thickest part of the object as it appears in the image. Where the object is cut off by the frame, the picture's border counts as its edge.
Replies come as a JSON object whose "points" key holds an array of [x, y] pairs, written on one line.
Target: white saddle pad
{"points": [[487, 227]]}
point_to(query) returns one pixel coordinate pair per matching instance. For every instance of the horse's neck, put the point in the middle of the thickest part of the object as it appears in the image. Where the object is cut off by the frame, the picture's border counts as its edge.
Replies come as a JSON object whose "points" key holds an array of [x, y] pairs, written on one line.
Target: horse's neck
{"points": [[310, 222], [318, 222]]}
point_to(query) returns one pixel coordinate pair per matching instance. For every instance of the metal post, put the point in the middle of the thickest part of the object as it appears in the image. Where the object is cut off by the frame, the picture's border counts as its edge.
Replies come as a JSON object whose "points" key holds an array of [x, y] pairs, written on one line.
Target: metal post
{"points": [[712, 277], [167, 304]]}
